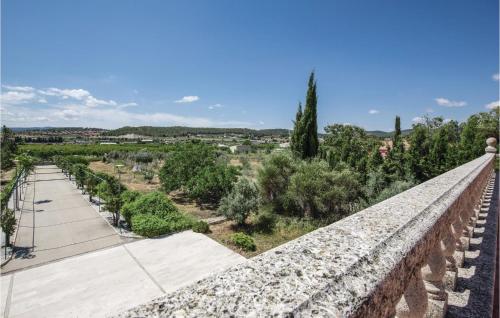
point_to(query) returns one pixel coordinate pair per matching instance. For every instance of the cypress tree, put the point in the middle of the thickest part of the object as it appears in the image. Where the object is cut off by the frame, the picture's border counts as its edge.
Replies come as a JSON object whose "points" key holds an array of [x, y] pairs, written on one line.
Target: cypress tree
{"points": [[295, 144], [309, 138]]}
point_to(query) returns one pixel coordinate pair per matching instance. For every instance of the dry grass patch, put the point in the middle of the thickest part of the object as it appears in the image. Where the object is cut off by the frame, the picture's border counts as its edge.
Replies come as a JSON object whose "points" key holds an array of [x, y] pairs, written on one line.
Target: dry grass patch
{"points": [[286, 229]]}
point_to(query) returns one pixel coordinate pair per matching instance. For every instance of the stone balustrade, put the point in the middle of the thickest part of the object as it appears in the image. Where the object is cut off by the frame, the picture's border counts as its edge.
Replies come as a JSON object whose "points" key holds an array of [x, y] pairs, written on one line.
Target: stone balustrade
{"points": [[396, 258]]}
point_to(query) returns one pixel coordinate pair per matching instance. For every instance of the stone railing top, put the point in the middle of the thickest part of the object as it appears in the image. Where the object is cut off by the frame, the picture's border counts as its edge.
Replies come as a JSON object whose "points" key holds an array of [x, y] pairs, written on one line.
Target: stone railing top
{"points": [[332, 271]]}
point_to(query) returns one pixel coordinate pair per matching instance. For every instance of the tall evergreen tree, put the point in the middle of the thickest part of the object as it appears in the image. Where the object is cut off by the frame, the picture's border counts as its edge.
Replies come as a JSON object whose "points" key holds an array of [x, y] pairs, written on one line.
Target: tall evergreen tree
{"points": [[309, 123], [397, 142], [295, 142]]}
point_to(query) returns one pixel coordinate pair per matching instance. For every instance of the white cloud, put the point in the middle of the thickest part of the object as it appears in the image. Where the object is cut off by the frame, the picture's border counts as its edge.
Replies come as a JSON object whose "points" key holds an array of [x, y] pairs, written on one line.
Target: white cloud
{"points": [[261, 122], [77, 107], [429, 110], [78, 94], [91, 101], [19, 88], [493, 105], [132, 104], [373, 111], [16, 97], [496, 77], [441, 101], [187, 99], [418, 120], [215, 106]]}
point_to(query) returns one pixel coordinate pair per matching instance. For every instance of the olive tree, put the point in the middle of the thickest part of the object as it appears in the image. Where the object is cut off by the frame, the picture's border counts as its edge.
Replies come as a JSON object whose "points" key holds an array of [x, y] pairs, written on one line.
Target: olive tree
{"points": [[240, 202]]}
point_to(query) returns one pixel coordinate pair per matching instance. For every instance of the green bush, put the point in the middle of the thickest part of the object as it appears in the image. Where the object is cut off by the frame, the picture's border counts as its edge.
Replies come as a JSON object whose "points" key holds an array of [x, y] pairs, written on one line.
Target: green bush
{"points": [[212, 183], [179, 221], [129, 196], [243, 241], [240, 202], [265, 222], [149, 225], [155, 203], [201, 227]]}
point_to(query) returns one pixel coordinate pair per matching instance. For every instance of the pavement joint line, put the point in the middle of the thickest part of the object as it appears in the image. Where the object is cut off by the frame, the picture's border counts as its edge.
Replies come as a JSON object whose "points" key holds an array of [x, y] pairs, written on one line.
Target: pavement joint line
{"points": [[69, 222], [76, 243], [66, 208], [144, 269], [9, 297], [12, 271]]}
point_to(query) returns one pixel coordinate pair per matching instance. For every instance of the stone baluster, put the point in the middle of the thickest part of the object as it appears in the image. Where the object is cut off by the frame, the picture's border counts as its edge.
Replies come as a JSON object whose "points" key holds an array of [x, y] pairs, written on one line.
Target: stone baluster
{"points": [[456, 230], [413, 303], [433, 273], [448, 245]]}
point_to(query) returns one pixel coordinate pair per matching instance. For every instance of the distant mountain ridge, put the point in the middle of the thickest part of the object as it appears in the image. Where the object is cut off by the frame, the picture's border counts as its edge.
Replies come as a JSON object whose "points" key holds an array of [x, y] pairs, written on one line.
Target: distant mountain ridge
{"points": [[175, 131], [387, 134]]}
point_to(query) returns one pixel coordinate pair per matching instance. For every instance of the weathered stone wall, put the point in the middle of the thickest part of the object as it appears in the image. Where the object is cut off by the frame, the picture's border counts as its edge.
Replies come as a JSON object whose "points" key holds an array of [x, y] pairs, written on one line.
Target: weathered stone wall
{"points": [[360, 266]]}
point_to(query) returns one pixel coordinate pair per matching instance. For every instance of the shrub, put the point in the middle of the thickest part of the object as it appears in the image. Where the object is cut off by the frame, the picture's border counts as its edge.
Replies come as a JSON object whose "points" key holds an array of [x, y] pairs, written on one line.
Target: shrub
{"points": [[129, 196], [274, 179], [149, 225], [265, 222], [8, 224], [243, 241], [179, 221], [240, 202], [155, 203], [148, 175], [212, 183], [201, 227]]}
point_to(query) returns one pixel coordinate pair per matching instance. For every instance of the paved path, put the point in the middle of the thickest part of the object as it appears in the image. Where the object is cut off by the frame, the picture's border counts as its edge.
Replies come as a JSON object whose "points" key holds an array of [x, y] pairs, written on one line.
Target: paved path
{"points": [[109, 281], [57, 222]]}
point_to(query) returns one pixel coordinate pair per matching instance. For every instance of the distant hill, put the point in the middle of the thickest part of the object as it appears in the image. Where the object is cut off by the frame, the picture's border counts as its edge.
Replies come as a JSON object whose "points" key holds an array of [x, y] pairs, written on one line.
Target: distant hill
{"points": [[176, 131], [54, 129], [387, 134]]}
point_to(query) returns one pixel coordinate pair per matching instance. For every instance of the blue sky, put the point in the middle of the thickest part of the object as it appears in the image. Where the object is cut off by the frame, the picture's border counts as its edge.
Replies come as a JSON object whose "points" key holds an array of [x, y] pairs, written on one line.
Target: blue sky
{"points": [[245, 63]]}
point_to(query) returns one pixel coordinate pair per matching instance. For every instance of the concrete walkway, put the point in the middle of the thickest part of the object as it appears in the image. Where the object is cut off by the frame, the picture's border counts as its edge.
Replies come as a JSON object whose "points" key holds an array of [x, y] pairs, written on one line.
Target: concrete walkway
{"points": [[109, 281], [57, 222]]}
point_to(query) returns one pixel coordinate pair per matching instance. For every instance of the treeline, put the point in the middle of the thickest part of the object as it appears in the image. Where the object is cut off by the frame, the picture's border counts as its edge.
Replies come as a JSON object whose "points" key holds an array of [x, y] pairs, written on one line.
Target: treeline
{"points": [[44, 151], [347, 172], [179, 131], [44, 140]]}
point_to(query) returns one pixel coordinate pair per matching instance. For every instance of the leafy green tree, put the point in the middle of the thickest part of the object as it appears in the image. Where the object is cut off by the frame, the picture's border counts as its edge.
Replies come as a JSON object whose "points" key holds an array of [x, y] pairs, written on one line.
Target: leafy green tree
{"points": [[110, 190], [475, 131], [185, 163], [129, 196], [8, 224], [240, 202], [80, 172], [8, 147], [319, 191], [274, 178], [346, 144], [212, 183], [91, 183], [375, 160], [309, 124], [418, 154]]}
